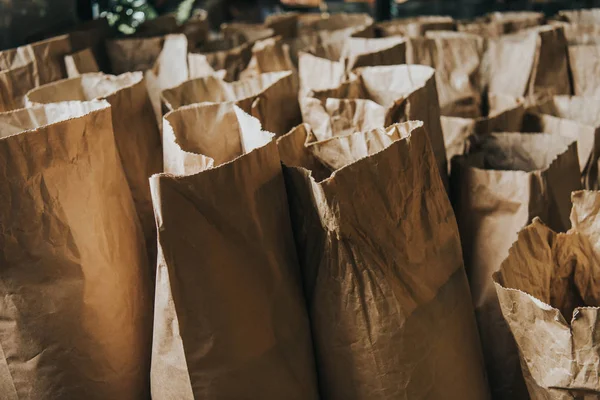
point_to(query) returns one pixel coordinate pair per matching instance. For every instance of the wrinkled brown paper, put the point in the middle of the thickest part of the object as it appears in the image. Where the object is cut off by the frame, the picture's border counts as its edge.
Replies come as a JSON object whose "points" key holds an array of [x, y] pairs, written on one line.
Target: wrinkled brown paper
{"points": [[230, 319], [498, 187], [75, 286], [549, 294], [416, 26], [383, 274]]}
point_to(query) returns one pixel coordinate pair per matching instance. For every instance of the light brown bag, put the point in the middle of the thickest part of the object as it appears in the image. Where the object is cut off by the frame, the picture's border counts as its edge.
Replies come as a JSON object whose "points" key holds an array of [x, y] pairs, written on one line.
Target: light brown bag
{"points": [[588, 16], [376, 97], [548, 291], [221, 55], [383, 274], [416, 26], [14, 85], [335, 22], [272, 97], [284, 24], [133, 54], [81, 62], [497, 24], [584, 62], [75, 286], [497, 188], [135, 131], [576, 118], [230, 319], [501, 114], [530, 63]]}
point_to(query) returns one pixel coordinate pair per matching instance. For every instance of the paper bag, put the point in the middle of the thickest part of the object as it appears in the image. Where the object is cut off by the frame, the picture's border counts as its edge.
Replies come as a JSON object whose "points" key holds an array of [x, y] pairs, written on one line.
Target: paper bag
{"points": [[334, 22], [272, 97], [379, 96], [222, 56], [284, 25], [498, 187], [532, 62], [14, 85], [576, 118], [501, 114], [230, 319], [135, 131], [383, 275], [584, 62], [416, 26], [318, 73], [589, 16], [81, 62], [548, 292], [75, 285], [239, 32], [502, 23], [133, 54]]}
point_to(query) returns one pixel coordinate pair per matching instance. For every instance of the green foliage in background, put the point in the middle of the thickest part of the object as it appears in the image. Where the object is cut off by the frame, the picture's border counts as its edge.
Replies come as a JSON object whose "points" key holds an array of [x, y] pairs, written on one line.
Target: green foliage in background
{"points": [[127, 15]]}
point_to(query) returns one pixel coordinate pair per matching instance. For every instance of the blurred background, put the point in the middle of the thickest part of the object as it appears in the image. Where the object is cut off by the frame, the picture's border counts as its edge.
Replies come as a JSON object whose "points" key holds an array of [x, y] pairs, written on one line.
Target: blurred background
{"points": [[22, 20]]}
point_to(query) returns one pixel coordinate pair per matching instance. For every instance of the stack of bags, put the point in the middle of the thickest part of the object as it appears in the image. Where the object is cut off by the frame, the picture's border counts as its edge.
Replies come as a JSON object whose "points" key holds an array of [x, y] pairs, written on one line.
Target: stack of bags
{"points": [[313, 207]]}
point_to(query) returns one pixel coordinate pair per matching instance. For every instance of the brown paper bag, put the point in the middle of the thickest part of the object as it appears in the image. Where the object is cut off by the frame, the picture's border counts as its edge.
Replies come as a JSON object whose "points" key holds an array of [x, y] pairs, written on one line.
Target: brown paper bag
{"points": [[162, 25], [284, 25], [589, 16], [133, 54], [14, 85], [548, 292], [81, 62], [379, 96], [196, 28], [532, 62], [136, 134], [380, 253], [501, 114], [239, 32], [502, 23], [334, 22], [272, 97], [318, 73], [580, 33], [576, 118], [221, 55], [584, 62], [230, 319], [416, 26], [497, 188], [75, 285]]}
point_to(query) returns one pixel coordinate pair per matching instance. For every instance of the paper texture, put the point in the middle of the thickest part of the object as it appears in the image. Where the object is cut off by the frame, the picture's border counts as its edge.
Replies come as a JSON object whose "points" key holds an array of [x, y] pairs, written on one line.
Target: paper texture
{"points": [[75, 286], [502, 23], [548, 291], [376, 97], [498, 187], [136, 134], [221, 55], [416, 26], [334, 22], [14, 85], [272, 97], [584, 63], [532, 62], [383, 274], [502, 114], [133, 54], [79, 63], [576, 118], [230, 319], [590, 16]]}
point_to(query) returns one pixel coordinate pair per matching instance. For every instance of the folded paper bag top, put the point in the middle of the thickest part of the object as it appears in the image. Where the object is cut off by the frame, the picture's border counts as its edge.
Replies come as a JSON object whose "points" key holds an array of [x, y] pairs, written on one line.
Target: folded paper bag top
{"points": [[133, 54], [376, 97], [136, 134], [75, 281], [576, 118], [379, 251], [502, 183], [548, 288], [416, 26], [230, 319], [271, 97]]}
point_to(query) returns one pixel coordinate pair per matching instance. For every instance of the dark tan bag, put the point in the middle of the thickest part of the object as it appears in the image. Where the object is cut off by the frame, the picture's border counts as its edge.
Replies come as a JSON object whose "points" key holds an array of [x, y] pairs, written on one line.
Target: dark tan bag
{"points": [[75, 287], [549, 295], [383, 274], [416, 26], [498, 187], [230, 319], [136, 134]]}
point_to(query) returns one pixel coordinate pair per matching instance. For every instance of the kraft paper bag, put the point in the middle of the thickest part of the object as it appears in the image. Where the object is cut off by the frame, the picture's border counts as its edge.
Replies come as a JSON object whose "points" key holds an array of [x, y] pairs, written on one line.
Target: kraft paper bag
{"points": [[133, 53], [501, 114], [530, 63], [197, 27], [272, 97], [162, 25], [503, 23], [584, 62], [221, 55], [589, 16], [383, 274], [580, 33], [335, 22], [230, 318], [272, 55], [376, 97], [416, 26], [283, 24], [135, 131], [498, 187], [47, 57], [14, 85], [576, 118], [318, 73], [75, 285], [81, 62], [240, 32], [548, 293], [457, 58]]}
